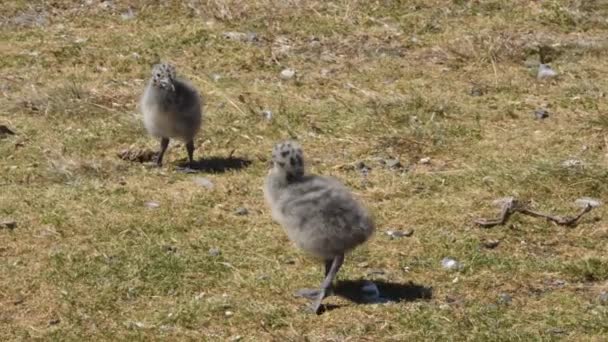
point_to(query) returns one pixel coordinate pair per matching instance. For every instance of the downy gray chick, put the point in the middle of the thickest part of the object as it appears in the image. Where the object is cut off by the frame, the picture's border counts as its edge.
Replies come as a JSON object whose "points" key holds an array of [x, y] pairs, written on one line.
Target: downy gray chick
{"points": [[172, 109], [318, 213]]}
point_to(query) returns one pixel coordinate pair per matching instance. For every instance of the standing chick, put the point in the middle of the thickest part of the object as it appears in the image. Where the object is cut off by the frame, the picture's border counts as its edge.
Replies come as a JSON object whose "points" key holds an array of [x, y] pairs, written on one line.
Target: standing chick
{"points": [[171, 109], [318, 213]]}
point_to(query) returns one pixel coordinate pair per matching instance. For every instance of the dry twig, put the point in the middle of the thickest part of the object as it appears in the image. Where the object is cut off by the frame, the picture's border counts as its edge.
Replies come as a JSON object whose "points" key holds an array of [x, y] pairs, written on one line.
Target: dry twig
{"points": [[512, 205]]}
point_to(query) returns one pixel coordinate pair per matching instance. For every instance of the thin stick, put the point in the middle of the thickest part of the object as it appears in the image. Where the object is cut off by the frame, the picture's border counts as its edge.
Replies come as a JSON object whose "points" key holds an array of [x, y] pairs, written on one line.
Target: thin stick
{"points": [[561, 220], [513, 206]]}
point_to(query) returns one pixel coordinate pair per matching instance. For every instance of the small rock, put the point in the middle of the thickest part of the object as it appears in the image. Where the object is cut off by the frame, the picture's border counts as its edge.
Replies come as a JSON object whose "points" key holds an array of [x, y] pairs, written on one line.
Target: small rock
{"points": [[169, 248], [558, 283], [8, 224], [267, 114], [393, 163], [361, 166], [288, 74], [570, 163], [5, 131], [504, 298], [152, 204], [541, 113], [476, 91], [241, 211], [450, 264], [603, 298], [425, 160], [216, 77], [236, 338], [128, 15], [54, 321], [229, 313], [363, 264], [588, 201], [248, 37], [490, 244], [398, 234], [204, 182], [214, 251], [545, 72]]}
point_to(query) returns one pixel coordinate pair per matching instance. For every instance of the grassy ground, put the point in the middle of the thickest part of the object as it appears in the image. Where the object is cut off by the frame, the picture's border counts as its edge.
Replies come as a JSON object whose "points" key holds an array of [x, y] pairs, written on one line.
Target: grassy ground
{"points": [[374, 80]]}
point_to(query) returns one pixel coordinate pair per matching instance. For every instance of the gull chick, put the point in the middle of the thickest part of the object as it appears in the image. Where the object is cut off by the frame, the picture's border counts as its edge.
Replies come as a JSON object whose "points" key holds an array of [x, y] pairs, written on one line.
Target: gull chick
{"points": [[319, 214], [172, 108]]}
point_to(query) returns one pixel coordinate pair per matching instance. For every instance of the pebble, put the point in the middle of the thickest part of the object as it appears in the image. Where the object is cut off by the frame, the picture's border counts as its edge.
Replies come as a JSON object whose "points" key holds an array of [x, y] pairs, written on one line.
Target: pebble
{"points": [[267, 114], [8, 224], [241, 211], [170, 248], [425, 160], [545, 72], [5, 131], [398, 234], [603, 298], [393, 163], [128, 15], [288, 73], [505, 298], [204, 182], [248, 37], [572, 163], [152, 204], [450, 264], [476, 91], [541, 114], [490, 244], [214, 251]]}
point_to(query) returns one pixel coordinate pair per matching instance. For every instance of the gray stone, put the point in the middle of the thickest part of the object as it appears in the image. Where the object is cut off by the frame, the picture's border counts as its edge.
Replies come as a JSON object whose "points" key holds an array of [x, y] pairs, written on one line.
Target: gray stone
{"points": [[451, 264], [8, 224], [287, 74], [505, 298], [241, 211], [541, 113]]}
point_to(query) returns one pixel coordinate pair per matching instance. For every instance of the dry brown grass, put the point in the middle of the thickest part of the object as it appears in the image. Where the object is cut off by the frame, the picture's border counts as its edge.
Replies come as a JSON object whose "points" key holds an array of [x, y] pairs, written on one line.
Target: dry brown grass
{"points": [[375, 79]]}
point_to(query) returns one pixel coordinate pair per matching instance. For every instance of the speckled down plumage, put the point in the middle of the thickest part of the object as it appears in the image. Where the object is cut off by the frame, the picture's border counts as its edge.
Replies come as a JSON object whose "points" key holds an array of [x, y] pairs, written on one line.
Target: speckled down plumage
{"points": [[172, 111], [319, 214]]}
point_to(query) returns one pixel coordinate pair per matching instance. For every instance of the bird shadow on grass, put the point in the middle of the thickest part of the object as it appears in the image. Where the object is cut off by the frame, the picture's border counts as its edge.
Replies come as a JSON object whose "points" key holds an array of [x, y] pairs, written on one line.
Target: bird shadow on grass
{"points": [[215, 164], [351, 290], [389, 292]]}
